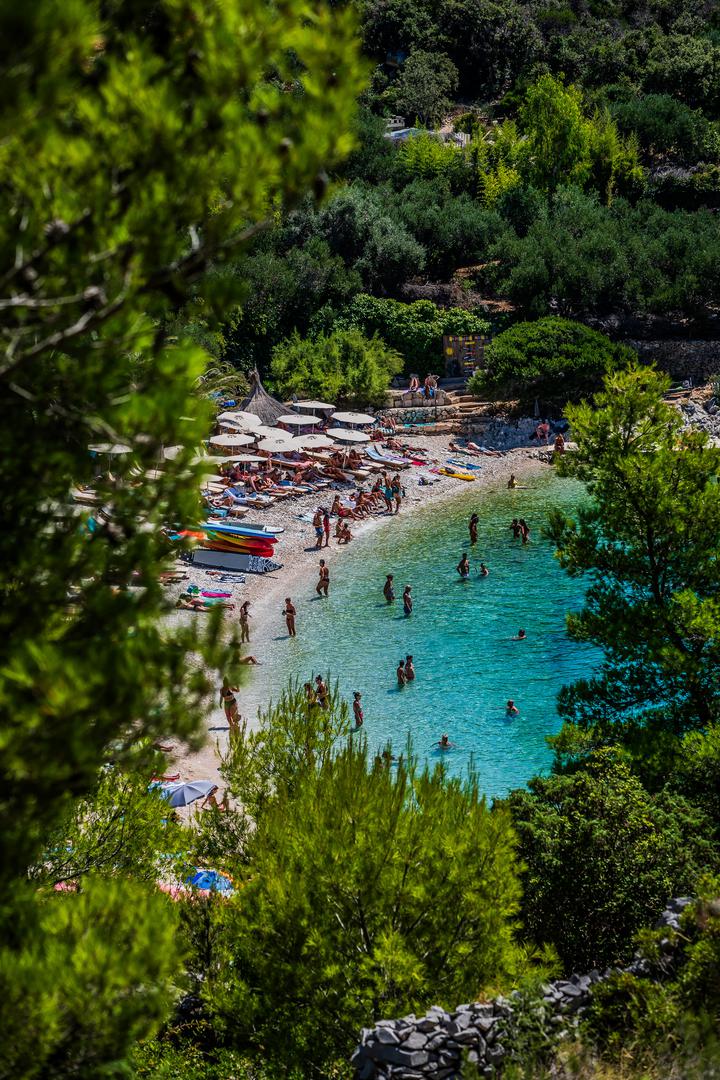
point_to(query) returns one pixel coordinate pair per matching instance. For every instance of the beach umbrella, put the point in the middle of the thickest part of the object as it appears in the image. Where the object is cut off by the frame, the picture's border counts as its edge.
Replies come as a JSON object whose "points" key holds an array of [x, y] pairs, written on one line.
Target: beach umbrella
{"points": [[348, 435], [242, 419], [185, 793], [110, 448], [210, 459], [169, 453], [276, 446], [265, 432], [299, 421], [236, 439], [313, 405], [243, 459], [353, 418], [312, 442], [211, 880]]}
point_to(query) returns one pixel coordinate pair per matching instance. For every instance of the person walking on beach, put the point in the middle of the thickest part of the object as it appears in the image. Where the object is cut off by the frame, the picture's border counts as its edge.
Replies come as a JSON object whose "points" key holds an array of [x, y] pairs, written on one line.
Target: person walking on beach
{"points": [[326, 526], [245, 621], [524, 531], [473, 529], [321, 692], [357, 709], [463, 567], [324, 580], [319, 528], [407, 600], [389, 589], [229, 703], [409, 669], [290, 614], [401, 676]]}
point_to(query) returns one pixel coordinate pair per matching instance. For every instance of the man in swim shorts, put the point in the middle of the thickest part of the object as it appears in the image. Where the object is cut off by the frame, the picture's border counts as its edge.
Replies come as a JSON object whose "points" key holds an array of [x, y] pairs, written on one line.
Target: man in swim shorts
{"points": [[389, 589], [463, 567], [324, 580], [319, 528]]}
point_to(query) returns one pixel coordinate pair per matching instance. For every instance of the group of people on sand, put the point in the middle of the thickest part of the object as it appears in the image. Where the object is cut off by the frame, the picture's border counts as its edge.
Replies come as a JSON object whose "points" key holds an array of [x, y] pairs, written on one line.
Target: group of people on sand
{"points": [[389, 594]]}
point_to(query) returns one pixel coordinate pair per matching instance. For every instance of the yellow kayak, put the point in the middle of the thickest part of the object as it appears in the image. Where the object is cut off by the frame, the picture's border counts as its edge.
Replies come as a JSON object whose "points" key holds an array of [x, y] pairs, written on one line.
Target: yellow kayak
{"points": [[458, 475]]}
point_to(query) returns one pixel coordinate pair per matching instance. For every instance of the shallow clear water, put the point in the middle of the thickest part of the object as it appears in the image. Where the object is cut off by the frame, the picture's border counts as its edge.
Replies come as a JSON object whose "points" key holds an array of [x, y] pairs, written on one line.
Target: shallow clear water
{"points": [[459, 634]]}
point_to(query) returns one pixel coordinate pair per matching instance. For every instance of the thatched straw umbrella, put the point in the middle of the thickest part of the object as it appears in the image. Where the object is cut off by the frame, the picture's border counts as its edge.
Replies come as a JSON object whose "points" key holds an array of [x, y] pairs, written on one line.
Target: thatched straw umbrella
{"points": [[261, 403]]}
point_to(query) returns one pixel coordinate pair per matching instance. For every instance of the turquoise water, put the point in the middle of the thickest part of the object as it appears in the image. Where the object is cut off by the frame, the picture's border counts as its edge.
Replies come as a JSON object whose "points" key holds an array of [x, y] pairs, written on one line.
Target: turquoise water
{"points": [[459, 633]]}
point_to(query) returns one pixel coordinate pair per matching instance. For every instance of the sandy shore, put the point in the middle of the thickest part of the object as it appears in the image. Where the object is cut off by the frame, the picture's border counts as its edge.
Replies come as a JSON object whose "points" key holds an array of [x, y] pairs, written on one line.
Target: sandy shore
{"points": [[298, 576]]}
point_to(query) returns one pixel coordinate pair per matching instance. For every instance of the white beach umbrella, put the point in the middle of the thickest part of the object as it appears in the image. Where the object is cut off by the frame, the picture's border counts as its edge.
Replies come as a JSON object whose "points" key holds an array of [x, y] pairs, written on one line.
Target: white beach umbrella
{"points": [[169, 453], [348, 435], [265, 432], [242, 419], [299, 421], [236, 439], [353, 418], [247, 459], [276, 446], [320, 441], [210, 459], [311, 406], [110, 448]]}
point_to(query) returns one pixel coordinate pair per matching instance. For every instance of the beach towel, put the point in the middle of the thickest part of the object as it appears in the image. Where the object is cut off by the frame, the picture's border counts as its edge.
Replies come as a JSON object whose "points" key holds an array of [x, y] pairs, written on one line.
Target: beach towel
{"points": [[216, 595]]}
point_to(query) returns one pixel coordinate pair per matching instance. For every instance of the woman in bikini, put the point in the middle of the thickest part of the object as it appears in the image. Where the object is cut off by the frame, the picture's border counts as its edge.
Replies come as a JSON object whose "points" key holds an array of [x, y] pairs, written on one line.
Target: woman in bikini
{"points": [[229, 703], [245, 621]]}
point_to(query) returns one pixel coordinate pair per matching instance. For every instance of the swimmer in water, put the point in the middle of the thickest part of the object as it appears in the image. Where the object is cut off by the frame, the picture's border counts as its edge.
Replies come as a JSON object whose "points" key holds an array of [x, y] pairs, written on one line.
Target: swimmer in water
{"points": [[407, 600], [401, 676], [463, 567], [516, 529], [484, 572], [473, 529], [389, 589], [520, 636], [511, 709], [409, 669], [444, 743]]}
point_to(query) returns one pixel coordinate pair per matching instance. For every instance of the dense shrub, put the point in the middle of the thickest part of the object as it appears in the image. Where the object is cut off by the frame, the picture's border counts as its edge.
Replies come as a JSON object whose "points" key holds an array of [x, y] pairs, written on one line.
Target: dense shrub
{"points": [[601, 858], [554, 359], [343, 366]]}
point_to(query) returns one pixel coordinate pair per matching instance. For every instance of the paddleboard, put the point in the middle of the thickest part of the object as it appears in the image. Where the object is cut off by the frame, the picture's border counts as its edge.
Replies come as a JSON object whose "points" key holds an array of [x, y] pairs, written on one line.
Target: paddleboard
{"points": [[226, 560]]}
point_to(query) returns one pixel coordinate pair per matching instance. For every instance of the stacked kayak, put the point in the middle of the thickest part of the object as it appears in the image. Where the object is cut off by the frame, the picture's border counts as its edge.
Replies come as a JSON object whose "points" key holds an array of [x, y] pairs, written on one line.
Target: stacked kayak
{"points": [[458, 474], [236, 547]]}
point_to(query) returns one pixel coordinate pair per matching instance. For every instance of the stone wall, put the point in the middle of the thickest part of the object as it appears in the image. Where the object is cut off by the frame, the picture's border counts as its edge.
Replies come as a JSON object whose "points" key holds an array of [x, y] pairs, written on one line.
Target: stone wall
{"points": [[423, 414], [431, 1047], [696, 360]]}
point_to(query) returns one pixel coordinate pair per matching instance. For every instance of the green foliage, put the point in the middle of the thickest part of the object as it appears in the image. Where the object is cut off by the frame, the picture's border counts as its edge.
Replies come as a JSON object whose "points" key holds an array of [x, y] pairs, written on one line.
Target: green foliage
{"points": [[649, 541], [696, 771], [415, 330], [601, 857], [395, 888], [428, 157], [141, 144], [665, 125], [553, 359], [425, 88], [344, 366], [94, 974]]}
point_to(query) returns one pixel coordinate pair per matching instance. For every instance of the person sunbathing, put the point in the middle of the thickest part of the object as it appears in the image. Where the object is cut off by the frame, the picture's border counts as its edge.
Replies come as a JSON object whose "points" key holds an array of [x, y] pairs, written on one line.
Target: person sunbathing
{"points": [[487, 451]]}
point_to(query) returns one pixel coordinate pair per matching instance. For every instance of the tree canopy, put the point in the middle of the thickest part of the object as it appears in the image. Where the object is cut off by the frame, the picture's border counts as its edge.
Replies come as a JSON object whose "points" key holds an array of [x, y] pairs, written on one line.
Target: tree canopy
{"points": [[344, 366]]}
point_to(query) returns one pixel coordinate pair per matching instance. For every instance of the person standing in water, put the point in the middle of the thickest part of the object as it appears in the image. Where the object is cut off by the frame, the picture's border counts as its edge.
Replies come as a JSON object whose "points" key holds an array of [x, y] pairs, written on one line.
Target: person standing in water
{"points": [[324, 580], [290, 614], [473, 529], [484, 572], [321, 691], [326, 526], [511, 709], [407, 600], [389, 589], [516, 529], [357, 709], [463, 567], [444, 743], [524, 531], [401, 677], [409, 669], [245, 621]]}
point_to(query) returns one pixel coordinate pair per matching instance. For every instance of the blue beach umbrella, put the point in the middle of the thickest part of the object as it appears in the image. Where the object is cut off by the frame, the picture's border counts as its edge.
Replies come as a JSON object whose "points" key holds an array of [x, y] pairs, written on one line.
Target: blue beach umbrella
{"points": [[186, 793], [211, 880]]}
